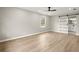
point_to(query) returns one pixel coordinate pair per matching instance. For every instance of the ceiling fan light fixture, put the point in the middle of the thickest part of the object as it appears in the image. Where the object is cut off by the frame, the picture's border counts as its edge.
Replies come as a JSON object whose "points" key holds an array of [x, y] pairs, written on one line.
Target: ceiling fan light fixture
{"points": [[74, 9], [70, 8]]}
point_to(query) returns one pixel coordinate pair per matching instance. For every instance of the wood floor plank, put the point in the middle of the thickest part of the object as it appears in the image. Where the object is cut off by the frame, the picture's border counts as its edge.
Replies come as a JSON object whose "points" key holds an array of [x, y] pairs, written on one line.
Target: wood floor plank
{"points": [[44, 42]]}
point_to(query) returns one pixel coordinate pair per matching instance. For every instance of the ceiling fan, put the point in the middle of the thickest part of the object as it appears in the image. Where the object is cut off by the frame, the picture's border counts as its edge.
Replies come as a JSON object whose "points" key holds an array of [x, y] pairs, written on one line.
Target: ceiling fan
{"points": [[49, 9]]}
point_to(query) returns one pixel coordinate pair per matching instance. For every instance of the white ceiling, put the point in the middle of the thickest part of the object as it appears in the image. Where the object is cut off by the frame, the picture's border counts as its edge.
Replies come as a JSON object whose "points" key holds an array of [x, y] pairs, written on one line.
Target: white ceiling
{"points": [[60, 10]]}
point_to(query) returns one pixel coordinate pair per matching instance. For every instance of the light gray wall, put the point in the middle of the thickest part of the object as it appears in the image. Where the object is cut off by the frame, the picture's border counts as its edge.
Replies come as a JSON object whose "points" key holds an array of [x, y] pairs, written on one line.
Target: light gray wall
{"points": [[16, 22], [55, 23]]}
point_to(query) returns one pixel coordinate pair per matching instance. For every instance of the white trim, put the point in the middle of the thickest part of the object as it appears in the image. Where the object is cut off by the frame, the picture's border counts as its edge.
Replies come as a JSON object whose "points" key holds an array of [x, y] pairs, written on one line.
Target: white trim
{"points": [[65, 32], [29, 35], [44, 20], [22, 36], [60, 32]]}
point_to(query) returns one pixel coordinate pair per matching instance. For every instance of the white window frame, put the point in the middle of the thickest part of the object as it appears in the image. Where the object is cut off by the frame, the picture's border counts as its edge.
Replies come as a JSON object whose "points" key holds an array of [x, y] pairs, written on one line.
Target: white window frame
{"points": [[43, 18]]}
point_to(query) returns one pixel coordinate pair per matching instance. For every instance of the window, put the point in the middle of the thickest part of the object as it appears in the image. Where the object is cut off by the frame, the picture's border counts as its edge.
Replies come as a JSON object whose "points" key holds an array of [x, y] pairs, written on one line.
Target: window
{"points": [[43, 22]]}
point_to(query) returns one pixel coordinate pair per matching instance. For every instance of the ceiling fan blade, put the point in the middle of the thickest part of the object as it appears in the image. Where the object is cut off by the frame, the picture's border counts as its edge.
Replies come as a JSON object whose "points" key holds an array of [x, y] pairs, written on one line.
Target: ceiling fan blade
{"points": [[49, 9], [53, 10]]}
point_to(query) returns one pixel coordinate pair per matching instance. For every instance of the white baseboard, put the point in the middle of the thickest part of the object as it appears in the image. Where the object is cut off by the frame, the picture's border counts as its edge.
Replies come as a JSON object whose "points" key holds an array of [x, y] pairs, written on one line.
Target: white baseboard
{"points": [[22, 36], [27, 36], [65, 32], [60, 32]]}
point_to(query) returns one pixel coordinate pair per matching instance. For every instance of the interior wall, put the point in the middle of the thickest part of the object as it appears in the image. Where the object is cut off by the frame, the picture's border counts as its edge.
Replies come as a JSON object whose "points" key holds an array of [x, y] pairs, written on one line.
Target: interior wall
{"points": [[55, 24], [15, 22]]}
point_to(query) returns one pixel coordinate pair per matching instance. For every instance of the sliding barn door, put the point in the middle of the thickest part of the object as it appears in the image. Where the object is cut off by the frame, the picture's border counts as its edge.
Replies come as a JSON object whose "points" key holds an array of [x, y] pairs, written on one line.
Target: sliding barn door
{"points": [[68, 24], [63, 24], [72, 22]]}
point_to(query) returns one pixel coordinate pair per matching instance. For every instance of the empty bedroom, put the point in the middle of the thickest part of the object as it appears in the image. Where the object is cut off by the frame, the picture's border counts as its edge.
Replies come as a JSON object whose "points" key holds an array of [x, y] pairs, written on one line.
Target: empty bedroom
{"points": [[39, 29]]}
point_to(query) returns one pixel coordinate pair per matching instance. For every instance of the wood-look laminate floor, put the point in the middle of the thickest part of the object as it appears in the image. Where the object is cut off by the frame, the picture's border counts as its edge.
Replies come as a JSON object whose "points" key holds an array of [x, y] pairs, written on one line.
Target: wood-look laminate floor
{"points": [[45, 42]]}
